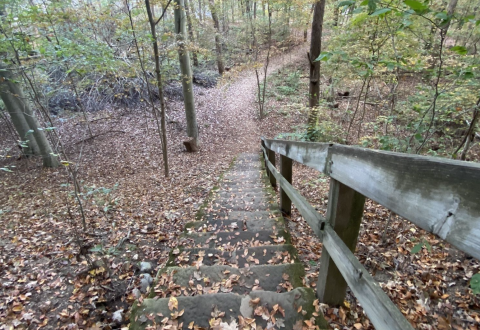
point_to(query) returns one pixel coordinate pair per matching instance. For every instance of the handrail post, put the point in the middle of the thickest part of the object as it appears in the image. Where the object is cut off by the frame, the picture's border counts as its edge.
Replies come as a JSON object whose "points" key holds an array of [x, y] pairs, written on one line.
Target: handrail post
{"points": [[286, 171], [344, 214], [271, 158]]}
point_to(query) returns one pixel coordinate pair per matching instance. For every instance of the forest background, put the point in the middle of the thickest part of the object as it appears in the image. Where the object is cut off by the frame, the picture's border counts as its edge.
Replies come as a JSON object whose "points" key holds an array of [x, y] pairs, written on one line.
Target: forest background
{"points": [[100, 106]]}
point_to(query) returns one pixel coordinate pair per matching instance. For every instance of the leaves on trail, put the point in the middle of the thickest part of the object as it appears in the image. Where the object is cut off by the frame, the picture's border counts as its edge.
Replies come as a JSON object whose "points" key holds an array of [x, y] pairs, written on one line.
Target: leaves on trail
{"points": [[173, 303], [232, 326]]}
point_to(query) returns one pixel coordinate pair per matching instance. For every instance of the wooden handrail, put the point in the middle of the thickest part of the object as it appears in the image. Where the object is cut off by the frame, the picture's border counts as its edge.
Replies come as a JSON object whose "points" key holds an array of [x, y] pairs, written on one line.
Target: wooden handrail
{"points": [[441, 196], [381, 310]]}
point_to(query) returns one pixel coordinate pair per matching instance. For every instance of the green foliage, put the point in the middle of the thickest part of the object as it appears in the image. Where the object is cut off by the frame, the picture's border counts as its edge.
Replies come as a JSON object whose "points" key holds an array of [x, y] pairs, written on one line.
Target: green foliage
{"points": [[417, 6], [100, 249], [284, 85], [326, 131], [475, 283], [103, 197], [397, 48], [420, 245]]}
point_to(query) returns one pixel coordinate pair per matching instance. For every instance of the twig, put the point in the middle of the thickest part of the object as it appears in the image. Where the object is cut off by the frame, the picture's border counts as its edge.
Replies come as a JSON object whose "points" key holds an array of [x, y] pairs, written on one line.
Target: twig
{"points": [[107, 288], [386, 227], [163, 13], [120, 242]]}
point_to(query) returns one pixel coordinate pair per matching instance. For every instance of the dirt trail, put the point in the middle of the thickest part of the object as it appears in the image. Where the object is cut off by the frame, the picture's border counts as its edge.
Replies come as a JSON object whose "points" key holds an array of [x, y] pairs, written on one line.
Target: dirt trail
{"points": [[236, 104]]}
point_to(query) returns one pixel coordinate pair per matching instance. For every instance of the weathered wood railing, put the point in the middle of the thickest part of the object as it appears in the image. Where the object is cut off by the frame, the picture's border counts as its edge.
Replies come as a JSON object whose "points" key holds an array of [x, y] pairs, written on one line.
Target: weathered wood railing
{"points": [[439, 195]]}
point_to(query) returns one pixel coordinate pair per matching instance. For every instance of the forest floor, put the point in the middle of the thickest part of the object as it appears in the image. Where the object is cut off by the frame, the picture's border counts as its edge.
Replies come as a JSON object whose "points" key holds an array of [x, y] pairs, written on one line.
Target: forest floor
{"points": [[51, 279]]}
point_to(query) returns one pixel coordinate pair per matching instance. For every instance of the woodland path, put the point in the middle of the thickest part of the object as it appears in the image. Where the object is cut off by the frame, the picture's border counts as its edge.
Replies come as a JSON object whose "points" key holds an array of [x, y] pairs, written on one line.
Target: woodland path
{"points": [[234, 266], [235, 263], [234, 103]]}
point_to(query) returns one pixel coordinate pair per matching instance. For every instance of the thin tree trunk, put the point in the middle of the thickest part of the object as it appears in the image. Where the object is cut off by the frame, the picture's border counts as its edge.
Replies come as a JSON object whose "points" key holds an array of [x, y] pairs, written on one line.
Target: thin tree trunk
{"points": [[218, 43], [150, 94], [187, 77], [190, 32], [261, 93], [471, 135], [315, 49], [159, 85], [200, 10]]}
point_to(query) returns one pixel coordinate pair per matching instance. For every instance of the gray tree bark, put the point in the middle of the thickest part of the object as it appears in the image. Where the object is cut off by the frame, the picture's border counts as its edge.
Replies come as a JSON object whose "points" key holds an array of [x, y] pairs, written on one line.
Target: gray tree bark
{"points": [[190, 32], [187, 77], [315, 49], [218, 43], [24, 119]]}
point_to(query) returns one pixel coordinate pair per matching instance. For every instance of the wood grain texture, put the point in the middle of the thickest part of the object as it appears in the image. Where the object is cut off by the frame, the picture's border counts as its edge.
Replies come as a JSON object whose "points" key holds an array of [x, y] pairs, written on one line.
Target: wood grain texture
{"points": [[378, 306], [271, 159], [311, 216], [344, 214], [307, 153], [286, 166], [439, 195]]}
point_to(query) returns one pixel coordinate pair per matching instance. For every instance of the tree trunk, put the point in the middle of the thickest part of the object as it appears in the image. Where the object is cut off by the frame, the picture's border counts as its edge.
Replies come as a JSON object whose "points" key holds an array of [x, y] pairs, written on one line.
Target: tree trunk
{"points": [[218, 43], [14, 107], [315, 49], [470, 134], [24, 119], [187, 77], [200, 8], [159, 86], [190, 32], [224, 18]]}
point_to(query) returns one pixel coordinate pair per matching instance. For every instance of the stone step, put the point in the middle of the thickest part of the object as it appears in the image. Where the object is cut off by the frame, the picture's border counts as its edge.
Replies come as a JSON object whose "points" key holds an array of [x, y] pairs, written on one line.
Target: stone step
{"points": [[251, 204], [248, 166], [242, 185], [242, 194], [286, 310], [192, 281], [253, 158], [252, 200], [235, 225], [261, 255], [251, 178], [241, 215], [231, 241], [241, 198], [246, 172], [239, 190]]}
